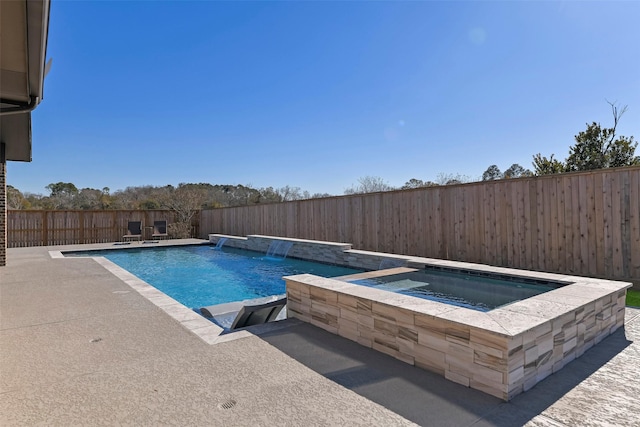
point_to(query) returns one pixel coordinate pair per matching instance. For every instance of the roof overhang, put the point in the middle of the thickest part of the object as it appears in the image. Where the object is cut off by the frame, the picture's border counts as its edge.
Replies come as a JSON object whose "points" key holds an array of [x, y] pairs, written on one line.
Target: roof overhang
{"points": [[24, 28]]}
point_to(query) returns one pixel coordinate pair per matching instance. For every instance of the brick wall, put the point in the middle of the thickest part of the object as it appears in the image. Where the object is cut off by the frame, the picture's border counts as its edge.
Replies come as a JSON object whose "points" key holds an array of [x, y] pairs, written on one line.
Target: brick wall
{"points": [[3, 206]]}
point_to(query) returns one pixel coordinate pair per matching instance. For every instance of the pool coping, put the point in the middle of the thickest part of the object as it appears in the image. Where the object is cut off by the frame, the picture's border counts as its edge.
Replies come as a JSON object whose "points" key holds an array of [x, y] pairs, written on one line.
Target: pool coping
{"points": [[575, 292], [206, 330]]}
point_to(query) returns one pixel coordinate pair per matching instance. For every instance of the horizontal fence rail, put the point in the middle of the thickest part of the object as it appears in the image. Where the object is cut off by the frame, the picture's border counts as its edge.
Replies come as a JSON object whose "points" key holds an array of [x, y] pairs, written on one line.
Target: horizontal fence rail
{"points": [[584, 223], [44, 228]]}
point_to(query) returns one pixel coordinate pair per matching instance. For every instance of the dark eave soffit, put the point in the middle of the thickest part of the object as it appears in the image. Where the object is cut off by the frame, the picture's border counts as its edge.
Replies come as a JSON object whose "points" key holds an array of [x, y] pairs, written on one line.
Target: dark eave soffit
{"points": [[24, 28]]}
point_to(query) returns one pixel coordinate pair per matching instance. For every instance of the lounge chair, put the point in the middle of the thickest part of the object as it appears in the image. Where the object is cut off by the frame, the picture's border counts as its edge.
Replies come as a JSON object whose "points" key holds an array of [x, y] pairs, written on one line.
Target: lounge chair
{"points": [[237, 315], [159, 230], [134, 231]]}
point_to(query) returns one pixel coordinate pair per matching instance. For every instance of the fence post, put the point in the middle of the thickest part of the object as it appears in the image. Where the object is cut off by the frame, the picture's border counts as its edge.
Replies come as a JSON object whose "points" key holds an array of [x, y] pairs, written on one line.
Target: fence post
{"points": [[82, 227], [45, 229], [114, 235], [146, 223]]}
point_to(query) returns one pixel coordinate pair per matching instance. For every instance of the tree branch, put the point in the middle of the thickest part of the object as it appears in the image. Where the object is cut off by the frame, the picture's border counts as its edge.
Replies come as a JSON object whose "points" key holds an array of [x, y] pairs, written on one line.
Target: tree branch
{"points": [[616, 119]]}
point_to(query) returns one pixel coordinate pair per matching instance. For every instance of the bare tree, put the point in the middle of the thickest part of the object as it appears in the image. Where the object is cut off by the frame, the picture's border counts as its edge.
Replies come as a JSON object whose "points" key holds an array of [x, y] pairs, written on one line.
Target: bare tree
{"points": [[450, 179], [369, 184], [318, 195], [185, 201], [282, 194], [288, 193]]}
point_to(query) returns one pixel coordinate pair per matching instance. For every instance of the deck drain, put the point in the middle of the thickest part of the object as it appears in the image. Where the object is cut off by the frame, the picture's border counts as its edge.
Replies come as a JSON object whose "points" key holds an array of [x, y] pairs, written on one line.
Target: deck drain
{"points": [[228, 404]]}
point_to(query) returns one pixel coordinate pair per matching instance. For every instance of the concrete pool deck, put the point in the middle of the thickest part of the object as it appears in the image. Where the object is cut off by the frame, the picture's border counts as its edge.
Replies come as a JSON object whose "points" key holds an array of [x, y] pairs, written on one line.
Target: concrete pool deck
{"points": [[79, 346]]}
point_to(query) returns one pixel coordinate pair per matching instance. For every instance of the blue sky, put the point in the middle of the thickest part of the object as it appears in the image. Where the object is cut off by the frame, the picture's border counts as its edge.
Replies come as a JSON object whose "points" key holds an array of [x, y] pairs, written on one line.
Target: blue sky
{"points": [[318, 94]]}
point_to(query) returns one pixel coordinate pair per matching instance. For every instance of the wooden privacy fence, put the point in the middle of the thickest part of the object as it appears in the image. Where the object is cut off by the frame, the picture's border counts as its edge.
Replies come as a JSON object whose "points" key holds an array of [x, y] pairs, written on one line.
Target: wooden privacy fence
{"points": [[584, 223], [41, 228]]}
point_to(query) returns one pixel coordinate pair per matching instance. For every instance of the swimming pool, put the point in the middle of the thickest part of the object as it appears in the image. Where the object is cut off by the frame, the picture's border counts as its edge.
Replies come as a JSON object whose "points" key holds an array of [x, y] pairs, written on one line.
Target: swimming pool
{"points": [[504, 351], [462, 289], [199, 276]]}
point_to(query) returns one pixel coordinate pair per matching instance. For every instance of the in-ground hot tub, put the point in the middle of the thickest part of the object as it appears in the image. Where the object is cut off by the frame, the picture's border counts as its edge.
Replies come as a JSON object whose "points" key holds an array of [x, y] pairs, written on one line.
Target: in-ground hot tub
{"points": [[502, 350]]}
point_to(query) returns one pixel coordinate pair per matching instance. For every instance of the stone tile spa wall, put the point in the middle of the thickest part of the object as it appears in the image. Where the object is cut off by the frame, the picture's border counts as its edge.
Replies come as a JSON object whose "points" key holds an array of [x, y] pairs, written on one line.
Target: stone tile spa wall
{"points": [[502, 352]]}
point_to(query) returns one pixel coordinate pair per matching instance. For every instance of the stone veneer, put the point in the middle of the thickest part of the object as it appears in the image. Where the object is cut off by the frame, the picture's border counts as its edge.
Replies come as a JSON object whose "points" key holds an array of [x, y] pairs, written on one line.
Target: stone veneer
{"points": [[502, 352], [314, 250]]}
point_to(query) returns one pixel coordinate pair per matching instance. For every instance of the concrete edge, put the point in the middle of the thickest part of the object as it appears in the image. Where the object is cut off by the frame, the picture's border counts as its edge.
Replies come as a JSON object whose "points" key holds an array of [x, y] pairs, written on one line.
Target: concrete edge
{"points": [[204, 329]]}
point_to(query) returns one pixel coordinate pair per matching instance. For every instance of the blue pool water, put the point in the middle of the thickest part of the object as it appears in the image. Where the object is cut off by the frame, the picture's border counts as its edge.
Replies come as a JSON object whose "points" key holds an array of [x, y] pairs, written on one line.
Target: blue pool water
{"points": [[199, 276], [459, 288]]}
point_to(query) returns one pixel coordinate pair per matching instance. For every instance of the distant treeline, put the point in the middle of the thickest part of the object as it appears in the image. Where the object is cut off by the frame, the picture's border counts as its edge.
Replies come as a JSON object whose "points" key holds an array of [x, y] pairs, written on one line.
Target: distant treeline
{"points": [[65, 195]]}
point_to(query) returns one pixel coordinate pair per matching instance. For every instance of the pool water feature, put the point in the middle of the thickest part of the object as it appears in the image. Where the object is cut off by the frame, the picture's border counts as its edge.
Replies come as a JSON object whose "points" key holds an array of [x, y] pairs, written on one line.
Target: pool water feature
{"points": [[199, 276], [220, 243], [278, 249], [462, 289]]}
